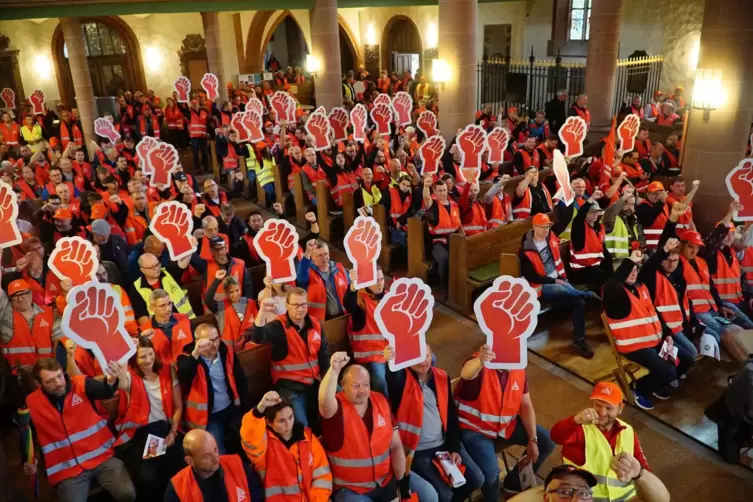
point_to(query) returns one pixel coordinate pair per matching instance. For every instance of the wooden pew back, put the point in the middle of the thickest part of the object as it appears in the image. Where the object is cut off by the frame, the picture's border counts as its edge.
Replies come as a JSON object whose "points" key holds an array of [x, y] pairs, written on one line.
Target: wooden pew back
{"points": [[380, 215], [256, 364], [300, 200], [418, 265], [336, 332]]}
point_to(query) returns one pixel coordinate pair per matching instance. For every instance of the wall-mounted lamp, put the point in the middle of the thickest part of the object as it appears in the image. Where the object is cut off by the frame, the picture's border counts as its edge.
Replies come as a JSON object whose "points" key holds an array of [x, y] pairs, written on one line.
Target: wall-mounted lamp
{"points": [[153, 59], [43, 66], [432, 36], [440, 72], [371, 34], [313, 65], [708, 93]]}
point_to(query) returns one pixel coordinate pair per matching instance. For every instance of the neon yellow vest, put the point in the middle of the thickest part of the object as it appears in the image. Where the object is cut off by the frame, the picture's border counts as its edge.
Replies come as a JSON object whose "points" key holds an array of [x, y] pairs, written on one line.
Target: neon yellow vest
{"points": [[32, 137], [177, 295], [618, 240], [371, 198], [265, 175], [598, 457]]}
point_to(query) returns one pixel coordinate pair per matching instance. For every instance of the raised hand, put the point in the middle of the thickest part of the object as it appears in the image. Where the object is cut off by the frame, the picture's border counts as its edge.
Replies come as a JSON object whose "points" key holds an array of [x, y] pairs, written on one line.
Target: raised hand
{"points": [[587, 416], [173, 224], [163, 160], [740, 186], [9, 98], [383, 99], [256, 105], [9, 232], [572, 133], [431, 152], [496, 144], [358, 118], [95, 320], [338, 121], [276, 244], [561, 172], [381, 114], [404, 315], [427, 122], [270, 399], [253, 124], [146, 145], [236, 123], [507, 314], [37, 102], [338, 361], [363, 244], [471, 144], [283, 105], [106, 129], [402, 104], [183, 88], [74, 258], [318, 126], [211, 85], [627, 132]]}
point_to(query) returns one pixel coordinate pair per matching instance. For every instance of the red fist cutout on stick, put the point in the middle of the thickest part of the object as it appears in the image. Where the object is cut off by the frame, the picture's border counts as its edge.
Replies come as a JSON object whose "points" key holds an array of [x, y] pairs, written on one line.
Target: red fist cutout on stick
{"points": [[252, 122], [277, 243], [507, 313], [74, 258], [402, 104], [363, 244], [256, 105], [469, 175], [427, 123], [471, 144], [381, 114], [382, 99], [496, 144], [572, 133], [104, 128], [318, 126], [9, 233], [211, 85], [404, 316], [627, 132], [283, 105], [163, 160], [338, 120], [236, 123], [740, 186], [9, 98], [146, 145], [183, 88], [173, 225], [431, 151], [565, 193], [358, 118], [37, 102], [95, 320]]}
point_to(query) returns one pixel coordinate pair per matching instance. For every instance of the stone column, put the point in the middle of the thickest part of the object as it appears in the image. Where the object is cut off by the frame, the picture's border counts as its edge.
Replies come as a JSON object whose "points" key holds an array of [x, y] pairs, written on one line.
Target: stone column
{"points": [[82, 80], [211, 22], [325, 46], [457, 47], [601, 64], [714, 147]]}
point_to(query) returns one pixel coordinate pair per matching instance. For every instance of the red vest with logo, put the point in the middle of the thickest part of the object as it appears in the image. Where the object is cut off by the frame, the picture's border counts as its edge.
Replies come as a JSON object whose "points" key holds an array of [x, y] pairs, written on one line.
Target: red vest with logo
{"points": [[639, 330], [155, 127], [538, 263], [727, 278], [367, 343], [196, 412], [234, 477], [699, 284], [168, 349], [449, 222], [233, 327], [237, 270], [593, 251], [302, 362], [29, 344], [410, 414], [668, 305], [198, 125], [653, 231], [74, 134], [495, 411], [317, 291], [10, 134], [523, 209], [397, 208], [134, 411]]}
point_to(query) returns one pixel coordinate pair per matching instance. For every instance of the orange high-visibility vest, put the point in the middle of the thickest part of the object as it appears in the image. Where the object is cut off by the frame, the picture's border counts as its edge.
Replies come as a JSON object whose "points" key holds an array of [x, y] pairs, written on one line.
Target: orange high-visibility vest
{"points": [[174, 118], [641, 329], [363, 462], [685, 219], [523, 209], [643, 148], [155, 127], [231, 326], [134, 411], [727, 278], [295, 168], [136, 225], [72, 440], [397, 208], [66, 135], [474, 221], [667, 120], [29, 344], [530, 159], [289, 473], [10, 134], [168, 349], [302, 362], [593, 251], [87, 363], [317, 290], [346, 182], [699, 284], [746, 266], [494, 412], [585, 114], [196, 412], [367, 343], [653, 232], [198, 125], [498, 210], [538, 263], [43, 295], [668, 304], [237, 270], [230, 161], [234, 477], [449, 222]]}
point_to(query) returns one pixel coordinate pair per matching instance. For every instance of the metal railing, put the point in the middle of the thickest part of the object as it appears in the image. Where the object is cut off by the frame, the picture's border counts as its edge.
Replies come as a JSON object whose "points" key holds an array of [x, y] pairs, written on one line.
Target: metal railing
{"points": [[636, 77]]}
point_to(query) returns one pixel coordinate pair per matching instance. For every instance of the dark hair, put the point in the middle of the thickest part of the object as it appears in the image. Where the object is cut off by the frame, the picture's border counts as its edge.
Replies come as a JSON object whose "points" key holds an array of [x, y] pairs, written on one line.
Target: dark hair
{"points": [[642, 128], [677, 179], [145, 343], [271, 412], [552, 137], [254, 213], [45, 364]]}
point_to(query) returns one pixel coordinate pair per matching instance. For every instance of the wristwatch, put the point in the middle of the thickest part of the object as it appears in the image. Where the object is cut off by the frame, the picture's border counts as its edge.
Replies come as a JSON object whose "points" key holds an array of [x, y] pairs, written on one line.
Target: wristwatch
{"points": [[639, 474], [534, 439]]}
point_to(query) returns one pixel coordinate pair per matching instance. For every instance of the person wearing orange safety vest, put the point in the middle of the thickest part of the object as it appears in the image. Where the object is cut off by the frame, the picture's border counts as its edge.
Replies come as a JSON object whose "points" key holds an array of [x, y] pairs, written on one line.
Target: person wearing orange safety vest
{"points": [[744, 252], [137, 218], [325, 281], [667, 117], [198, 131], [222, 261], [32, 328], [9, 133], [643, 143], [652, 109], [526, 157], [70, 131], [299, 352], [169, 332], [148, 124], [531, 197], [75, 440], [580, 109], [590, 262], [215, 388], [233, 312], [472, 211], [637, 332], [497, 202], [677, 194], [397, 200], [652, 213], [288, 457], [495, 404], [443, 218]]}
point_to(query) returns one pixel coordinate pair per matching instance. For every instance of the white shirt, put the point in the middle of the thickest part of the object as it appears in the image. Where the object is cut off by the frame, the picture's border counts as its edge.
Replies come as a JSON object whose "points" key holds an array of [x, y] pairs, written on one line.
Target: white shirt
{"points": [[154, 393]]}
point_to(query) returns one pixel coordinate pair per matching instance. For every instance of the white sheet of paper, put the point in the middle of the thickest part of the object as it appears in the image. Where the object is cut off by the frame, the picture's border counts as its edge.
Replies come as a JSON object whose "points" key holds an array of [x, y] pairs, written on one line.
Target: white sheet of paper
{"points": [[526, 475], [708, 347], [450, 469]]}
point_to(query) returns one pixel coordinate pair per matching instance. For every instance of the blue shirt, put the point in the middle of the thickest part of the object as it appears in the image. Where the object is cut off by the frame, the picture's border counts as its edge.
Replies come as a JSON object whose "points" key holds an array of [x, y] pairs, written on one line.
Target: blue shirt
{"points": [[219, 385]]}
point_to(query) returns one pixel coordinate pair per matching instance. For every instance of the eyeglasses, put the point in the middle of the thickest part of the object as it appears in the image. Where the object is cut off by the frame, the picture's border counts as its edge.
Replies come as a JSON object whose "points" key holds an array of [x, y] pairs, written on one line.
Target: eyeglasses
{"points": [[153, 267], [163, 306], [567, 493], [298, 305]]}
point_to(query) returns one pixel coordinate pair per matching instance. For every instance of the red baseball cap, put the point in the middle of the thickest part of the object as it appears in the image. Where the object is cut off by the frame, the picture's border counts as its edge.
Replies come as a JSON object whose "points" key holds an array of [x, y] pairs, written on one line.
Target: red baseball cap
{"points": [[692, 237], [608, 392], [655, 186], [541, 219], [98, 212], [18, 286], [63, 213]]}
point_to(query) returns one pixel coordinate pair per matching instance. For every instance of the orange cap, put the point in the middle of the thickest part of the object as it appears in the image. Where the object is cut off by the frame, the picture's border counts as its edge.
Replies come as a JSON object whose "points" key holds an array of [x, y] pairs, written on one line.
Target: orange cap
{"points": [[541, 219], [691, 237], [18, 286], [54, 142], [63, 213], [98, 212], [609, 392], [655, 186]]}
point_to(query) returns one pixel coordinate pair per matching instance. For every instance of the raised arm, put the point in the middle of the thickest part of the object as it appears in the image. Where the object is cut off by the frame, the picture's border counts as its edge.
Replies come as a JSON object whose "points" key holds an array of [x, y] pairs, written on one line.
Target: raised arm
{"points": [[328, 387]]}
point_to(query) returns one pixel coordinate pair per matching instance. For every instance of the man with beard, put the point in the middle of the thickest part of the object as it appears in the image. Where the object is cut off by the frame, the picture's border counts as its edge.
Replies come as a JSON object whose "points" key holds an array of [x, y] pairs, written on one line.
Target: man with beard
{"points": [[622, 227]]}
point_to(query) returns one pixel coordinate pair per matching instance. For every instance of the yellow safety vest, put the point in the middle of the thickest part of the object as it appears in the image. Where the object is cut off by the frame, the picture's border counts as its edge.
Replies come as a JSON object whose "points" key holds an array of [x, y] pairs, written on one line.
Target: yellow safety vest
{"points": [[32, 137], [265, 175], [177, 295], [598, 457], [373, 197], [618, 240]]}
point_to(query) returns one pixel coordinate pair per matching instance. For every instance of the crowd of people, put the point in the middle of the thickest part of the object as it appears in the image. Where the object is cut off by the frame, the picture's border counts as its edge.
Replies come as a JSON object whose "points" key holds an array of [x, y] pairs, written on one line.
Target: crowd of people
{"points": [[336, 426]]}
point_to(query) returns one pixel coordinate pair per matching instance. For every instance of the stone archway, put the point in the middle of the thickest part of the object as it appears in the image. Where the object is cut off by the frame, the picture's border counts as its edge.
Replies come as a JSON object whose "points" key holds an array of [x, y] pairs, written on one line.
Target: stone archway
{"points": [[348, 43], [403, 36], [294, 34], [259, 37]]}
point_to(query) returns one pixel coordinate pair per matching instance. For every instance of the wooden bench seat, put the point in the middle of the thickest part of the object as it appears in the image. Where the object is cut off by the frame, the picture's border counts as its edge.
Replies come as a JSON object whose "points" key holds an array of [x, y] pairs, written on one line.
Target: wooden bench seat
{"points": [[324, 207]]}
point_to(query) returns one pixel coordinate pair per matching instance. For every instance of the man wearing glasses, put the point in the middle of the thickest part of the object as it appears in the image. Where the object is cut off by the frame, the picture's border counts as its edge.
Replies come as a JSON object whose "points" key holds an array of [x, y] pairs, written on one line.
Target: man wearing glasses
{"points": [[31, 328], [154, 276]]}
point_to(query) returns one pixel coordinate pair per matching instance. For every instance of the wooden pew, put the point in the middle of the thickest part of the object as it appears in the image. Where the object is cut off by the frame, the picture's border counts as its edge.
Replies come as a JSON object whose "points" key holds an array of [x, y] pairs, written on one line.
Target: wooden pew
{"points": [[261, 195], [385, 257], [300, 200], [325, 205], [195, 293], [256, 364], [280, 187], [418, 264], [215, 163], [336, 332], [349, 212]]}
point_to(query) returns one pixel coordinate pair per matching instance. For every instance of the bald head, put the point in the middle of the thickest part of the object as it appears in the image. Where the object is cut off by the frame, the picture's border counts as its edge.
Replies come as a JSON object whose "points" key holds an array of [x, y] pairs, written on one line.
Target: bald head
{"points": [[356, 384], [201, 452]]}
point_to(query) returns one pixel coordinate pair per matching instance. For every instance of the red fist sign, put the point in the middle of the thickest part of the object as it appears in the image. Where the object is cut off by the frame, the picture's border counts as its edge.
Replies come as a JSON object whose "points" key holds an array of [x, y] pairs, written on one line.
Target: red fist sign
{"points": [[363, 244], [9, 98], [358, 118], [162, 160], [338, 120], [183, 88], [173, 225], [95, 320], [562, 174], [74, 258], [496, 144], [318, 126], [404, 316], [253, 124], [471, 142], [740, 186], [236, 123], [507, 313], [37, 102], [256, 105], [427, 123], [211, 85], [104, 128], [431, 151], [381, 114], [402, 104], [277, 243], [9, 233], [146, 145], [283, 105], [382, 99], [627, 132], [572, 133]]}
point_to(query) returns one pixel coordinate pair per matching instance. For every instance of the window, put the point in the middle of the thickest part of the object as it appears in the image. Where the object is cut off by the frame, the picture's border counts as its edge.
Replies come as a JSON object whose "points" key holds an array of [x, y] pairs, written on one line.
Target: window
{"points": [[580, 19], [99, 40]]}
